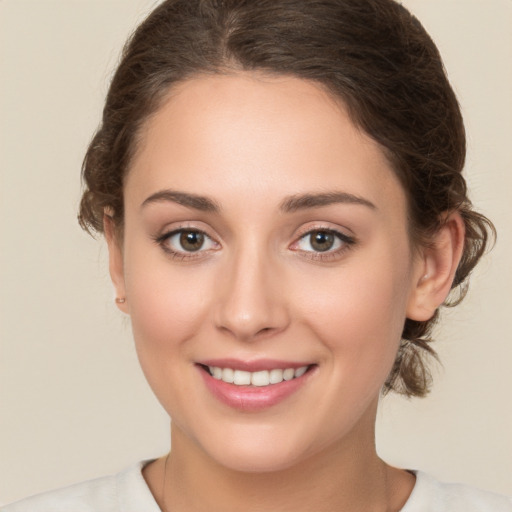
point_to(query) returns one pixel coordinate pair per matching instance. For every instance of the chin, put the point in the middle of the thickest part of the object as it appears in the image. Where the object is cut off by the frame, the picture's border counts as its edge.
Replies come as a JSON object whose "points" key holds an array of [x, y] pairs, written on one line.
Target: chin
{"points": [[257, 459], [252, 448]]}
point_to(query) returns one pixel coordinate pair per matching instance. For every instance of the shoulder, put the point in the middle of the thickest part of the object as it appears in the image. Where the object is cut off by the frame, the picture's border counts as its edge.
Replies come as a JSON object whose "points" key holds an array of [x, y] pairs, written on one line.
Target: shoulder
{"points": [[123, 492], [430, 495], [95, 495]]}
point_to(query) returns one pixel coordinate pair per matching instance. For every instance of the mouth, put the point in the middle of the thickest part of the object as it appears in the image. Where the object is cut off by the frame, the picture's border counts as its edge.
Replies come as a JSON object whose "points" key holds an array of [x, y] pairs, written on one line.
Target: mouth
{"points": [[253, 387], [261, 378]]}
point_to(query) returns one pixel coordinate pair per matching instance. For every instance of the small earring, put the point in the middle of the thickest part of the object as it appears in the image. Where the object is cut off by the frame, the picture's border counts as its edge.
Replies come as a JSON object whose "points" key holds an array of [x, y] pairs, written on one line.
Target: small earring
{"points": [[120, 300]]}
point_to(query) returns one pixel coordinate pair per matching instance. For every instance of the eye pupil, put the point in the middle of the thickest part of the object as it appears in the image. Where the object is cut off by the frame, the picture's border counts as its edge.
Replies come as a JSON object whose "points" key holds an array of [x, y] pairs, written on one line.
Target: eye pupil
{"points": [[191, 240], [322, 240]]}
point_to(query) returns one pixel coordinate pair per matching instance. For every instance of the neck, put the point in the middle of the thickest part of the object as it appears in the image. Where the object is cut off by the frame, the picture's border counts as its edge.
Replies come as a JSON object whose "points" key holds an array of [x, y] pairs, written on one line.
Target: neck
{"points": [[348, 476]]}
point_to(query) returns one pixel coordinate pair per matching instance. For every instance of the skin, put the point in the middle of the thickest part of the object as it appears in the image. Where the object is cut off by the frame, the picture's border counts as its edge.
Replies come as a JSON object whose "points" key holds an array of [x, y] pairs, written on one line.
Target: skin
{"points": [[258, 289]]}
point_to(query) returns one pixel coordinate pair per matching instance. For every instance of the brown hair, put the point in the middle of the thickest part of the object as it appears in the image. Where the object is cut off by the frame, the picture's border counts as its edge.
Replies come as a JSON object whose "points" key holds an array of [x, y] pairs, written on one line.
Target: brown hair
{"points": [[372, 54]]}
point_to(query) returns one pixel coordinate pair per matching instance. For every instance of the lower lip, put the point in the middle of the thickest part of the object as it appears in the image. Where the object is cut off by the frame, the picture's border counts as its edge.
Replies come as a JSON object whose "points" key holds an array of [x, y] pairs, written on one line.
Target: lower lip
{"points": [[252, 398]]}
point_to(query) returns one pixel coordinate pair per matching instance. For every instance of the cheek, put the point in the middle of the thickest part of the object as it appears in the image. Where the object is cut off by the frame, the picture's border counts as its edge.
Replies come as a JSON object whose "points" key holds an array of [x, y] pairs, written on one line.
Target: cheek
{"points": [[167, 311], [167, 306], [359, 313]]}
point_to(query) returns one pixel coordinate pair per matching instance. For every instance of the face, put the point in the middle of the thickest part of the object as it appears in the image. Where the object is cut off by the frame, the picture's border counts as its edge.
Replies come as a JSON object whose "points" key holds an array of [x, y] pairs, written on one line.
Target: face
{"points": [[265, 241]]}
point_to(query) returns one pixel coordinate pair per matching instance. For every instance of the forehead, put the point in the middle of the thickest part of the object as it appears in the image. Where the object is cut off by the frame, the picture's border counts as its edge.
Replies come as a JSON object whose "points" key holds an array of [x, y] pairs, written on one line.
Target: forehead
{"points": [[253, 136]]}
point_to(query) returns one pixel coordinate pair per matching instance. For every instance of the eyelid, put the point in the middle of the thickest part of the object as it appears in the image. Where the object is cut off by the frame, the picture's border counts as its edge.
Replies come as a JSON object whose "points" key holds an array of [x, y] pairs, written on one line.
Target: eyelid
{"points": [[173, 234], [346, 240], [167, 234], [343, 233]]}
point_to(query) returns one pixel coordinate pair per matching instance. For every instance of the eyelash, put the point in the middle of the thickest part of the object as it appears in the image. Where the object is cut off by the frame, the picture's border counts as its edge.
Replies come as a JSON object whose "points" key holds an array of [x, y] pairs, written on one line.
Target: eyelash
{"points": [[328, 255], [346, 243], [181, 255]]}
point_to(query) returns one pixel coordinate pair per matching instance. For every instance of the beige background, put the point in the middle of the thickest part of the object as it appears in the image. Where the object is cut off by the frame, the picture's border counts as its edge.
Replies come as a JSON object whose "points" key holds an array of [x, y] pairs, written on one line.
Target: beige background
{"points": [[73, 402]]}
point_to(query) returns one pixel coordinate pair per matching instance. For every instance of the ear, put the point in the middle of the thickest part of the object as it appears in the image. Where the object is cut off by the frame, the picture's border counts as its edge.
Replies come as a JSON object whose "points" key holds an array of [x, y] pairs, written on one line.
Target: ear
{"points": [[115, 258], [435, 269]]}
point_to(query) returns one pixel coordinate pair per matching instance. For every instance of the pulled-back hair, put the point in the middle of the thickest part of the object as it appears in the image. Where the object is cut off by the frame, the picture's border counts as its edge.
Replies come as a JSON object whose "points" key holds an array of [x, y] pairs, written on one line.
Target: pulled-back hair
{"points": [[372, 54]]}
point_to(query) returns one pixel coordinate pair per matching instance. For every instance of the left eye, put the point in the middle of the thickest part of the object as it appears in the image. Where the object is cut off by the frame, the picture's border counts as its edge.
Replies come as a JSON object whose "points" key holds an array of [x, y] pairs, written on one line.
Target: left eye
{"points": [[320, 240], [189, 240]]}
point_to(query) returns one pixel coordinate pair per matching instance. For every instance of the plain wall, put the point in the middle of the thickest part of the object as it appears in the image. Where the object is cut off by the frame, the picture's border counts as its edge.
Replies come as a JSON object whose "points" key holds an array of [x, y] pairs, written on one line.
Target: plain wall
{"points": [[73, 402]]}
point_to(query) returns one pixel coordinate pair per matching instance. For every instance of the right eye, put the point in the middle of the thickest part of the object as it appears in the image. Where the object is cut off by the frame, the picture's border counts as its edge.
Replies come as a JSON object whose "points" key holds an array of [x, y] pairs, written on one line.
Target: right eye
{"points": [[321, 240], [183, 242]]}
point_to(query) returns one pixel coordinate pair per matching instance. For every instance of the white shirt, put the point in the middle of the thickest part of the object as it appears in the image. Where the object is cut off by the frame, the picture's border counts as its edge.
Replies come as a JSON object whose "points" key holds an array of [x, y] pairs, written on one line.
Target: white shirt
{"points": [[128, 492]]}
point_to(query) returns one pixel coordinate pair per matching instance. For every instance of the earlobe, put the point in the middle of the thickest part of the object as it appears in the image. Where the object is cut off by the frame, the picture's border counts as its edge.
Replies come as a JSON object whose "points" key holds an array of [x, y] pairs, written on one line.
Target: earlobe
{"points": [[436, 269], [115, 258]]}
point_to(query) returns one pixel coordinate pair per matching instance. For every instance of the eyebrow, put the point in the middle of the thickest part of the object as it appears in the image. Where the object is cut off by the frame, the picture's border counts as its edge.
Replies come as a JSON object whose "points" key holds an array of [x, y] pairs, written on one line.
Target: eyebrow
{"points": [[289, 205], [306, 201], [202, 203]]}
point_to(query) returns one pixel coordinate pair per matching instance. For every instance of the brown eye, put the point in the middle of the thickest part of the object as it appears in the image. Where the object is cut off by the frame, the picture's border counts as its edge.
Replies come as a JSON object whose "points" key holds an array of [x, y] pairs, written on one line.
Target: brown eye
{"points": [[191, 241], [187, 241], [322, 241]]}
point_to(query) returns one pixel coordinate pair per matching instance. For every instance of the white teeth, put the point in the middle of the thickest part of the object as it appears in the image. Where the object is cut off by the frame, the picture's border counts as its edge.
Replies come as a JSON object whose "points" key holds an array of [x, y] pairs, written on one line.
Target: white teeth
{"points": [[299, 372], [216, 372], [228, 375], [288, 374], [260, 378], [242, 378], [276, 376]]}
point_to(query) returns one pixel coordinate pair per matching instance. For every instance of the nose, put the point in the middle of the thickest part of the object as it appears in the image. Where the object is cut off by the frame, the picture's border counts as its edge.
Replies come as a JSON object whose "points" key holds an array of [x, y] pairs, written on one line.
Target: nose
{"points": [[252, 298]]}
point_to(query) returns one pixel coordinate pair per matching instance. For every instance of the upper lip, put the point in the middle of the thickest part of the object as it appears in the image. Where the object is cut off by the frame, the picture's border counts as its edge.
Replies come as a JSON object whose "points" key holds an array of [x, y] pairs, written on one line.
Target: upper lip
{"points": [[254, 365]]}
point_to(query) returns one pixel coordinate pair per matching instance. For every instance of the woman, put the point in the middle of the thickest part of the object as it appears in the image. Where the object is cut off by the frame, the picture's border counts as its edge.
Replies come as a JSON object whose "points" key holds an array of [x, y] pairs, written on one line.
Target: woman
{"points": [[279, 186]]}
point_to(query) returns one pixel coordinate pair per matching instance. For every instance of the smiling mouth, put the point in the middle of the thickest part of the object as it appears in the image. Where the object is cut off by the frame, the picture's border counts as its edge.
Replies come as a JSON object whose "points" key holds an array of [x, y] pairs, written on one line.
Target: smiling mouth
{"points": [[260, 378]]}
